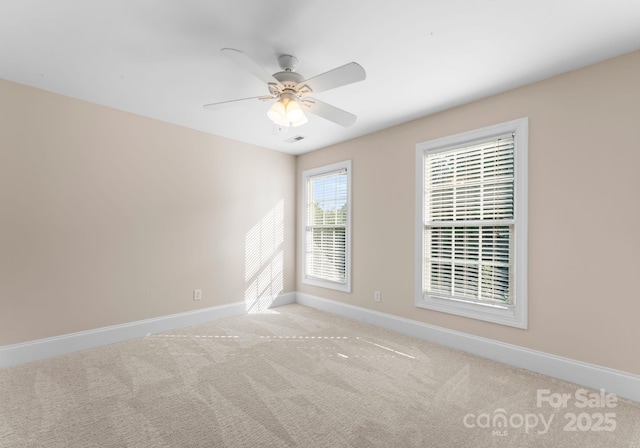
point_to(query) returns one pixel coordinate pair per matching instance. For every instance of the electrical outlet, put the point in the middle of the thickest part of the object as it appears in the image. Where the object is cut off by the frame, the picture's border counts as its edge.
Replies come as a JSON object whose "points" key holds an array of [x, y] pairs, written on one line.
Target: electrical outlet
{"points": [[377, 296], [197, 294]]}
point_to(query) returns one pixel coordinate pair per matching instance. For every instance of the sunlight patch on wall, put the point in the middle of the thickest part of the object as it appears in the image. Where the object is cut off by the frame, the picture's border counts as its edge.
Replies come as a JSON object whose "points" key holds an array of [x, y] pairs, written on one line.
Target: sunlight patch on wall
{"points": [[264, 260]]}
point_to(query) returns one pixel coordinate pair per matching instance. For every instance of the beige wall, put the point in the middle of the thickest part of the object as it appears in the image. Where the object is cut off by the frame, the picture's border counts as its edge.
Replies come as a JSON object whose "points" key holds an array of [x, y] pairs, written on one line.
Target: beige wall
{"points": [[108, 217], [584, 213]]}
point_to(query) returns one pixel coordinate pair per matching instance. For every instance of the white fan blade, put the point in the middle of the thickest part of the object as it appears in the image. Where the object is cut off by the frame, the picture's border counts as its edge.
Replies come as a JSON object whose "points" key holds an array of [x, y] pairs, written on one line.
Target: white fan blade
{"points": [[328, 112], [244, 61], [338, 77], [221, 104]]}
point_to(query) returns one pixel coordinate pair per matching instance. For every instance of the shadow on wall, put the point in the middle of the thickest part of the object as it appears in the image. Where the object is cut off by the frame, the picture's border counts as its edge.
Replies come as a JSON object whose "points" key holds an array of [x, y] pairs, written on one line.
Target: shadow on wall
{"points": [[264, 260]]}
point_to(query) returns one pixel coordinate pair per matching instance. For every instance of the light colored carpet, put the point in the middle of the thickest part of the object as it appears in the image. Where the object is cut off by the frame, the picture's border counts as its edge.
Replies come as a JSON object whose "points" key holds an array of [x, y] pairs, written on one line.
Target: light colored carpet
{"points": [[296, 377]]}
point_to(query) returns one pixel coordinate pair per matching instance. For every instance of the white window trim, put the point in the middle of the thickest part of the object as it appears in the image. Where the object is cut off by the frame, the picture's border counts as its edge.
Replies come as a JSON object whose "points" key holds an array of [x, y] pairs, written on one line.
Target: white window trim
{"points": [[511, 315], [346, 286]]}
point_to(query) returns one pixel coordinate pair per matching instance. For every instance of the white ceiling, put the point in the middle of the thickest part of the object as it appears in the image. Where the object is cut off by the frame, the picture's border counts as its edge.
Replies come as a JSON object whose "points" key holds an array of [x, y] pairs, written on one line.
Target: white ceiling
{"points": [[162, 59]]}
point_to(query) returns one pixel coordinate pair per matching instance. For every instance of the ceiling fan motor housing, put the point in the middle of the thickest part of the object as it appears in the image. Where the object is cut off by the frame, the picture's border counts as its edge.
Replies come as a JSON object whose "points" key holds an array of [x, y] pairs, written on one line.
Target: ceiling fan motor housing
{"points": [[288, 78], [289, 81]]}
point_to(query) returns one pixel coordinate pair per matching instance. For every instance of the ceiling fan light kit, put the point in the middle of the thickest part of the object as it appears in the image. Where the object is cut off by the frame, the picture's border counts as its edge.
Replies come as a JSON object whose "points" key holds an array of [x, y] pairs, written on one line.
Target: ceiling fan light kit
{"points": [[291, 90], [287, 112]]}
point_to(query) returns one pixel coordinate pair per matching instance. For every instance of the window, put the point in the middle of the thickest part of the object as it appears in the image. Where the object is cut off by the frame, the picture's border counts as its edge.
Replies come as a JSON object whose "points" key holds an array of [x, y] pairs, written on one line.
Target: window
{"points": [[327, 232], [471, 227]]}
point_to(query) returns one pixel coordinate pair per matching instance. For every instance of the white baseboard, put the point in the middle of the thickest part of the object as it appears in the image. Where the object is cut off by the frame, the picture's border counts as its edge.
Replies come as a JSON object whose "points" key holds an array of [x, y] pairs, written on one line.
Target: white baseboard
{"points": [[623, 384], [11, 355], [284, 299]]}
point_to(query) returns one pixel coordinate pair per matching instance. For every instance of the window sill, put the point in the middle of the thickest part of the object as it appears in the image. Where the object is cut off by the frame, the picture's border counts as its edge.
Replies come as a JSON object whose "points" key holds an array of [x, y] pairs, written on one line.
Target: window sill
{"points": [[343, 287], [500, 314]]}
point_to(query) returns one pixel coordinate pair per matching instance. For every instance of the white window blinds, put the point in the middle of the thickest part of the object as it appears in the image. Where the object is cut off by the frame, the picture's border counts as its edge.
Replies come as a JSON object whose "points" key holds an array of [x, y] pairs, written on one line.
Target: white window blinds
{"points": [[327, 205], [469, 221]]}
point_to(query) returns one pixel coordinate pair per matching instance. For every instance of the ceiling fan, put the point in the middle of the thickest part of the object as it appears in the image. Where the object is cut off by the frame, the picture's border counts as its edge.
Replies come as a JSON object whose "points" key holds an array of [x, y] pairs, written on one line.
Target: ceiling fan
{"points": [[291, 91]]}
